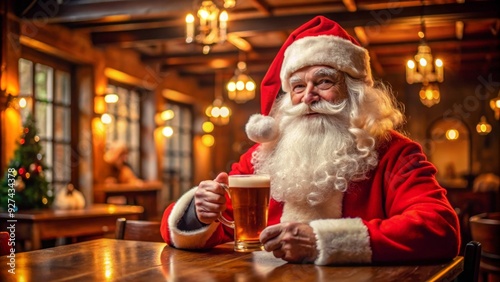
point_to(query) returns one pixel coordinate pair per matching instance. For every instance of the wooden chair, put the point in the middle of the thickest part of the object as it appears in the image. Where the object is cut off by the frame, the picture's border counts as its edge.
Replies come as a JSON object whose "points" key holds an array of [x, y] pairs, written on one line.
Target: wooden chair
{"points": [[4, 243], [485, 228], [472, 259], [139, 230]]}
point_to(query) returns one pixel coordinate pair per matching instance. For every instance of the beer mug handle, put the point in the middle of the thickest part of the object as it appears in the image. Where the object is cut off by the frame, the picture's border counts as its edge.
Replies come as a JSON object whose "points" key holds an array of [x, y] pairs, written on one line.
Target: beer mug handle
{"points": [[222, 219]]}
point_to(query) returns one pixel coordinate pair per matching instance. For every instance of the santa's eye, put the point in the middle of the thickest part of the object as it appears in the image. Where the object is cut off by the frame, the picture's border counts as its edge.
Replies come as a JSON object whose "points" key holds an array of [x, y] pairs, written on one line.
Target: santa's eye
{"points": [[298, 88], [324, 84]]}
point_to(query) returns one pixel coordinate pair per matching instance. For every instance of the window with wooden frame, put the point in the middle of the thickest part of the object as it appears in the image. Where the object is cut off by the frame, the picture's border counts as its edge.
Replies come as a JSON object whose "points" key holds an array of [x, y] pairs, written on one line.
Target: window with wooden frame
{"points": [[125, 126], [47, 81], [178, 150]]}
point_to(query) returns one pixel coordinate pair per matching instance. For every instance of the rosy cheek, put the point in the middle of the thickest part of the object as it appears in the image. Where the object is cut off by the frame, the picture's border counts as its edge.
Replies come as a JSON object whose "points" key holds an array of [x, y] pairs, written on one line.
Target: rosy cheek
{"points": [[296, 99]]}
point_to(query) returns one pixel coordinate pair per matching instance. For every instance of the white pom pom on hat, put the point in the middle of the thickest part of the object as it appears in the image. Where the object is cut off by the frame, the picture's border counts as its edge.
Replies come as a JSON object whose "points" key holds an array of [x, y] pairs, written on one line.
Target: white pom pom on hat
{"points": [[261, 129]]}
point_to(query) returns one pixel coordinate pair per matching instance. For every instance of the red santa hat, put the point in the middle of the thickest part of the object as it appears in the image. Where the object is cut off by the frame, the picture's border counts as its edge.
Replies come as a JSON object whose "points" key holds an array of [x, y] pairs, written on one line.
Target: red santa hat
{"points": [[319, 41]]}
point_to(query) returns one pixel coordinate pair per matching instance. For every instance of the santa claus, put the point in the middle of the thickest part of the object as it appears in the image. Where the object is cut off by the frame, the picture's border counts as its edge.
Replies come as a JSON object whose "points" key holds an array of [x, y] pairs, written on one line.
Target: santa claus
{"points": [[345, 186]]}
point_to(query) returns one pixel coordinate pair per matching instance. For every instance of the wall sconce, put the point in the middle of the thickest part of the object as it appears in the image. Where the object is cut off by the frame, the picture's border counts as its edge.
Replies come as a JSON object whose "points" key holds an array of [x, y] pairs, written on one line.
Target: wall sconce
{"points": [[15, 102], [483, 127], [495, 106]]}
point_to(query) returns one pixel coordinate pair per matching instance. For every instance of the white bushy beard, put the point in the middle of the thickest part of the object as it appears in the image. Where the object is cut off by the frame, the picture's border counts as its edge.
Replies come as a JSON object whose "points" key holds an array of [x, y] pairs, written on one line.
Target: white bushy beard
{"points": [[315, 155]]}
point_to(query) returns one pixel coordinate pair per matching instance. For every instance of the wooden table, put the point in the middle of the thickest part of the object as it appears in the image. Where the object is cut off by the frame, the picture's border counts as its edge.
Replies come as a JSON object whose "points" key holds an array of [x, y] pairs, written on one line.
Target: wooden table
{"points": [[121, 260], [38, 225], [143, 194]]}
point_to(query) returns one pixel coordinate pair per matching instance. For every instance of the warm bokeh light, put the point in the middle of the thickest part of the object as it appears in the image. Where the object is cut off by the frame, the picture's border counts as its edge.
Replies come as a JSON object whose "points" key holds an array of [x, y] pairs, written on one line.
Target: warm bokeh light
{"points": [[483, 127], [452, 134], [207, 127], [111, 98], [106, 118], [167, 131], [411, 64], [167, 115], [208, 140], [23, 103]]}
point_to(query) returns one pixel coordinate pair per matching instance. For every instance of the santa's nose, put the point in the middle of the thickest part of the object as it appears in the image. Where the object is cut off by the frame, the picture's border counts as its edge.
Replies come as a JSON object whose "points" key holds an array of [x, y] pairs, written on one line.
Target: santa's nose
{"points": [[311, 95]]}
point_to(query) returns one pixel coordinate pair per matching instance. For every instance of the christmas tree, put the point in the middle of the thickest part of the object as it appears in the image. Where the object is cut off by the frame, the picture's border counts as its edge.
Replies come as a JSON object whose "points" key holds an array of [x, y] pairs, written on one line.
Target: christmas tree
{"points": [[31, 188]]}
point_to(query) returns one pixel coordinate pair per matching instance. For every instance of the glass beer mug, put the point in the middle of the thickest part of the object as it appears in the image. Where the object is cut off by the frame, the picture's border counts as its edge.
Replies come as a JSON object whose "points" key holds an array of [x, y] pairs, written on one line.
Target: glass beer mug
{"points": [[249, 195]]}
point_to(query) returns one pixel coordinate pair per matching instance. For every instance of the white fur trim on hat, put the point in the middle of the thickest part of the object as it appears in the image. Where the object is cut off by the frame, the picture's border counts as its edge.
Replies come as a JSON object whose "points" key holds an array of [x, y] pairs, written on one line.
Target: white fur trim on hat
{"points": [[341, 241], [194, 239], [262, 129], [327, 50]]}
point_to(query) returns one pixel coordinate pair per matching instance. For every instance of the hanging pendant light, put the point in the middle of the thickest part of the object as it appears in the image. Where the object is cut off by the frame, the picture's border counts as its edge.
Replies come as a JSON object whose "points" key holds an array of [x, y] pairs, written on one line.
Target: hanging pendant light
{"points": [[218, 112], [424, 69], [241, 87], [495, 106], [483, 127], [430, 95]]}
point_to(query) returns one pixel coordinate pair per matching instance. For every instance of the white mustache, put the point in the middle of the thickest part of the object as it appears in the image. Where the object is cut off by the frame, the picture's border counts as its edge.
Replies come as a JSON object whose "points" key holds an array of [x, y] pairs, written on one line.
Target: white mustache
{"points": [[320, 107]]}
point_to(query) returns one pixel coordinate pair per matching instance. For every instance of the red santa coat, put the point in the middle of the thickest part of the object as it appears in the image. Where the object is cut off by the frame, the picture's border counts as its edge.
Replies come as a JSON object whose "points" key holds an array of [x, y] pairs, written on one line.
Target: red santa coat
{"points": [[399, 214]]}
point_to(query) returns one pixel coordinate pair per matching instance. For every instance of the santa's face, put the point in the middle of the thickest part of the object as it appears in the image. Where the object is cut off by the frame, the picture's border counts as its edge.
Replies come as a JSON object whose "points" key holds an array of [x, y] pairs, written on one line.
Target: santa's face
{"points": [[315, 154], [314, 83]]}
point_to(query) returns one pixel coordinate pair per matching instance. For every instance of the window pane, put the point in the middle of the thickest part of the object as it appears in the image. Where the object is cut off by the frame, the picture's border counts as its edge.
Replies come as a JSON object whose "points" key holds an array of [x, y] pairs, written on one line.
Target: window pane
{"points": [[43, 82], [62, 130], [121, 126], [25, 77], [63, 88], [123, 102], [43, 119], [62, 162], [47, 152], [134, 138], [134, 105]]}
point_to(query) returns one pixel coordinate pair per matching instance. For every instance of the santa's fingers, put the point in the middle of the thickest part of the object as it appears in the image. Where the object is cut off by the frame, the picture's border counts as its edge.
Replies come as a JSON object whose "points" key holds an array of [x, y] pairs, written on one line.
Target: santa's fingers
{"points": [[270, 232]]}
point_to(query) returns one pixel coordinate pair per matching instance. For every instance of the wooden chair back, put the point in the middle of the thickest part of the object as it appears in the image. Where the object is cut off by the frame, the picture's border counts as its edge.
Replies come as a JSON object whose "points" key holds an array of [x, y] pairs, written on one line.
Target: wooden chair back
{"points": [[4, 243], [472, 259], [139, 230], [485, 228]]}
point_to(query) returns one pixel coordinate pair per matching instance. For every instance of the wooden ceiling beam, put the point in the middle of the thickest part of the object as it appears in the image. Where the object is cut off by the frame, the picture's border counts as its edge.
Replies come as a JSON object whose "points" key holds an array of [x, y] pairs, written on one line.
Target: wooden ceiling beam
{"points": [[79, 11], [262, 7], [409, 15]]}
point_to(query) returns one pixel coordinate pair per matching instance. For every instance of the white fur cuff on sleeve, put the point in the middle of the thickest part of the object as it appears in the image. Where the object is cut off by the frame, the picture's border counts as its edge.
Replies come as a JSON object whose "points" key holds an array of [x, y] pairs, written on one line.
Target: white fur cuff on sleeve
{"points": [[194, 239], [339, 241]]}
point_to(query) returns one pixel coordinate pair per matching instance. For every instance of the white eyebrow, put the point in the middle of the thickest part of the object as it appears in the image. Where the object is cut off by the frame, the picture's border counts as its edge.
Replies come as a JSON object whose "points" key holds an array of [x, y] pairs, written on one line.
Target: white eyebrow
{"points": [[325, 72], [295, 79]]}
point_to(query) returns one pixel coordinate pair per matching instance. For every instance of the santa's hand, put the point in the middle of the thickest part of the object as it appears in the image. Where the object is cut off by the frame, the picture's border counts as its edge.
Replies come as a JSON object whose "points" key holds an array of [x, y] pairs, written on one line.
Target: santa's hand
{"points": [[291, 241], [209, 199]]}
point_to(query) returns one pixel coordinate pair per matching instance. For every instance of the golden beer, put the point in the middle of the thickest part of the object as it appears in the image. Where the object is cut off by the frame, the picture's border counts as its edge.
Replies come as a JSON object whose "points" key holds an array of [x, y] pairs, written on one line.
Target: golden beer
{"points": [[250, 199]]}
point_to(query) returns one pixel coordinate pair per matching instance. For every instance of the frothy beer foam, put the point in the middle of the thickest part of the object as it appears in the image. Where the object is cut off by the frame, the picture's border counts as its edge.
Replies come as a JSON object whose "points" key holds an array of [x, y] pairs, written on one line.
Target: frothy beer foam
{"points": [[249, 180]]}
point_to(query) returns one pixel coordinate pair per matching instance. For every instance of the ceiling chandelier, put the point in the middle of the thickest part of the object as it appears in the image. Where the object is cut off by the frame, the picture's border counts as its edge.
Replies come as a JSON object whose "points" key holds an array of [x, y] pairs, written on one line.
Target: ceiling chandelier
{"points": [[426, 71], [210, 25], [241, 87]]}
